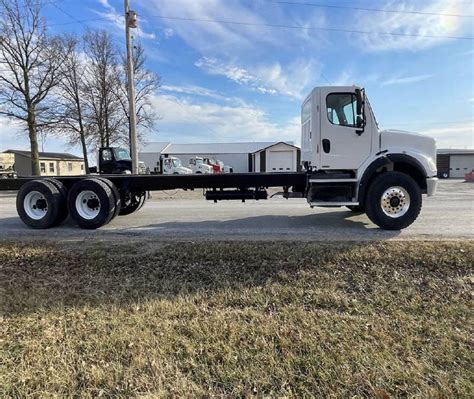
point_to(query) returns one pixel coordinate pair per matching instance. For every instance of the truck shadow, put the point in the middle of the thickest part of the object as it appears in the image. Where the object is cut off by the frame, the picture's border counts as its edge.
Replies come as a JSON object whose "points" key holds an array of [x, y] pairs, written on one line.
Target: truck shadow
{"points": [[335, 225]]}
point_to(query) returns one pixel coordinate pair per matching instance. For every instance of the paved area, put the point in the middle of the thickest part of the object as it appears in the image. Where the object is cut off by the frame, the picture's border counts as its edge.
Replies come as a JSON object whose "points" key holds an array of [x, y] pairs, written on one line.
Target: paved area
{"points": [[169, 216]]}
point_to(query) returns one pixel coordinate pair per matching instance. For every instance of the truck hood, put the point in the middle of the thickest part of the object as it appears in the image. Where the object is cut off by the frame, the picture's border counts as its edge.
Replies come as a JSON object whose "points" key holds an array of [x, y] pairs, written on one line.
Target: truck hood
{"points": [[182, 170], [413, 142]]}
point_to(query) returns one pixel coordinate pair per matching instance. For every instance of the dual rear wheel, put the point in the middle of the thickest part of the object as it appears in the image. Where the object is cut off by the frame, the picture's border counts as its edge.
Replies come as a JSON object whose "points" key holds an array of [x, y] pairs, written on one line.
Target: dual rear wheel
{"points": [[90, 202]]}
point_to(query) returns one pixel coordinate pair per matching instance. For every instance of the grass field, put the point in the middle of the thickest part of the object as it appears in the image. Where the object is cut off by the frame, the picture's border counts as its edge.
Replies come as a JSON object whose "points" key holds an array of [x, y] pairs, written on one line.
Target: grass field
{"points": [[236, 319]]}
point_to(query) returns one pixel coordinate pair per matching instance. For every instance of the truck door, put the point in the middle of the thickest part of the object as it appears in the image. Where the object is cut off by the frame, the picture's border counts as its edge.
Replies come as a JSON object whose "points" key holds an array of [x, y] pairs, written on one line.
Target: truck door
{"points": [[167, 166], [341, 146], [106, 161]]}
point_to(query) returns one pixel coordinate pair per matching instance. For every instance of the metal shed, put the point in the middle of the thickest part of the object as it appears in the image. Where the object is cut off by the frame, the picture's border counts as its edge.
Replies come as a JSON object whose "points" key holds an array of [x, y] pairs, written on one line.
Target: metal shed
{"points": [[454, 163]]}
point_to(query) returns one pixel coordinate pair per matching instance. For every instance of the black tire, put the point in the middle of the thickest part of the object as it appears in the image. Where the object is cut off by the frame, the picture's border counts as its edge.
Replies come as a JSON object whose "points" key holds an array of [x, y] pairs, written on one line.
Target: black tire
{"points": [[133, 204], [104, 202], [63, 212], [115, 191], [373, 202], [48, 200], [357, 208]]}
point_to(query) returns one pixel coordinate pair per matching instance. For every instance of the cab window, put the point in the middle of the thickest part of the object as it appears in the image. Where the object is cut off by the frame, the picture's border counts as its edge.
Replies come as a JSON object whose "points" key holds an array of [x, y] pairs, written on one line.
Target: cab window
{"points": [[106, 155], [341, 109], [306, 111], [122, 154]]}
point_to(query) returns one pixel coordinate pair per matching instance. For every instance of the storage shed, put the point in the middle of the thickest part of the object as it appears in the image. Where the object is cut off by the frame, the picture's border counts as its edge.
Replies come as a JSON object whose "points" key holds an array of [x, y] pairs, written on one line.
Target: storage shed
{"points": [[454, 163]]}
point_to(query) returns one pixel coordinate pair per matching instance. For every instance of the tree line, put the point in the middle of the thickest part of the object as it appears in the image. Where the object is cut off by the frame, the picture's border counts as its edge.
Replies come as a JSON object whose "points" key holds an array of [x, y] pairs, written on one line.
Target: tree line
{"points": [[68, 85]]}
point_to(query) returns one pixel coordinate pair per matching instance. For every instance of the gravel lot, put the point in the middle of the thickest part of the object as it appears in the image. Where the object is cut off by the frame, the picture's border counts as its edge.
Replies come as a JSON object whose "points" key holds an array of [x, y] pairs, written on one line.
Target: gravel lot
{"points": [[175, 215]]}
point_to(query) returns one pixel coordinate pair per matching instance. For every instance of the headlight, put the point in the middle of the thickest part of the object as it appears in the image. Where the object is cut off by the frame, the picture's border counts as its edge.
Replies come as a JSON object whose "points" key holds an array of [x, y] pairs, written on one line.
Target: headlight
{"points": [[432, 164]]}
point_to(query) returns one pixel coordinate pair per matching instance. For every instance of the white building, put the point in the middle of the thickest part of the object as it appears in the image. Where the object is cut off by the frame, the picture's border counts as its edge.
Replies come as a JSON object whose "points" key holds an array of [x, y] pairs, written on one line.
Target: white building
{"points": [[51, 163], [242, 157], [454, 162]]}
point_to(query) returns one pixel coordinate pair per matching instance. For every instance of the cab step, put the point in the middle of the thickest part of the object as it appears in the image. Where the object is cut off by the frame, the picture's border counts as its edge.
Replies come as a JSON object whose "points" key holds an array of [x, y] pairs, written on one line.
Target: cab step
{"points": [[333, 203], [321, 181]]}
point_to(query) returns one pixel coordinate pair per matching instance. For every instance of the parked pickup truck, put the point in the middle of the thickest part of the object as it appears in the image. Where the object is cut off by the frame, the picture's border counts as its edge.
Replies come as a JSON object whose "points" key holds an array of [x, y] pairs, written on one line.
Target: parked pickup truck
{"points": [[197, 165], [225, 168], [7, 166], [172, 166]]}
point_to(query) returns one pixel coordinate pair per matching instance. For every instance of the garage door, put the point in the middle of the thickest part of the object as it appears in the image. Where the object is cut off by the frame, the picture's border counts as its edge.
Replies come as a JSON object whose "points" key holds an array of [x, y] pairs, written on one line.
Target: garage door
{"points": [[460, 165], [280, 161]]}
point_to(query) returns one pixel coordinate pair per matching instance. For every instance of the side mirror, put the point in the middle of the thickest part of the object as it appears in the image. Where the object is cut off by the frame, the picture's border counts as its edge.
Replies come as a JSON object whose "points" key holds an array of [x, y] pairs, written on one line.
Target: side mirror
{"points": [[360, 101], [360, 121]]}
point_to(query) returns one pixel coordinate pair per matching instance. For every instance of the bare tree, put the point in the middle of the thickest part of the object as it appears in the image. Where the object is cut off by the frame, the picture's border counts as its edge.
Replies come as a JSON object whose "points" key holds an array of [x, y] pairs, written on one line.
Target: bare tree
{"points": [[74, 113], [146, 83], [102, 82], [30, 61]]}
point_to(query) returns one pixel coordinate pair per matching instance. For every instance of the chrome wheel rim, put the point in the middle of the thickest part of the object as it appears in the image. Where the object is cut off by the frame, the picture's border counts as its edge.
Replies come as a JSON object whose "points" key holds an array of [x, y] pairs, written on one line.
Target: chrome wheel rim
{"points": [[35, 205], [395, 202], [87, 205]]}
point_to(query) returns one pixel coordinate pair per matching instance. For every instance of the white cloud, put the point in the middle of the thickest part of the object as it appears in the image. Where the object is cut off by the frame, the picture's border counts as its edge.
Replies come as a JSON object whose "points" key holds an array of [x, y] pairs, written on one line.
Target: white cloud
{"points": [[194, 91], [117, 19], [185, 120], [406, 79], [168, 32], [267, 79], [456, 136], [218, 37], [413, 24], [12, 135]]}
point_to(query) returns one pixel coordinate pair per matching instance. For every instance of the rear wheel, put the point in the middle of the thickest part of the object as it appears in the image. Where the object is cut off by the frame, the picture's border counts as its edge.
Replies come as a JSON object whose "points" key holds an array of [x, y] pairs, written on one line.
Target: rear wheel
{"points": [[393, 201], [38, 203], [133, 202], [91, 203], [115, 191], [63, 212]]}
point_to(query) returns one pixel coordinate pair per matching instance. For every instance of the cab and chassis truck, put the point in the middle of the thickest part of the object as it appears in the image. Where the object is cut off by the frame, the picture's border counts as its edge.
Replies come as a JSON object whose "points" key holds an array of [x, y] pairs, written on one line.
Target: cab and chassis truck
{"points": [[346, 160]]}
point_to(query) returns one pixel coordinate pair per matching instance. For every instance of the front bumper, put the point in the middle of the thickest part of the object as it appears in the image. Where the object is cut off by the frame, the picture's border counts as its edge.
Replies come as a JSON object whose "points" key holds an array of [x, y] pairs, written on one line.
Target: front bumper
{"points": [[431, 185]]}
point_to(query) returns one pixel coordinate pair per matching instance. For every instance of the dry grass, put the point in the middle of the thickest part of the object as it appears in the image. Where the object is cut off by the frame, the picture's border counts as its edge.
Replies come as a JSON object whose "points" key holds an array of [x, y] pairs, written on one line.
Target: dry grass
{"points": [[237, 319]]}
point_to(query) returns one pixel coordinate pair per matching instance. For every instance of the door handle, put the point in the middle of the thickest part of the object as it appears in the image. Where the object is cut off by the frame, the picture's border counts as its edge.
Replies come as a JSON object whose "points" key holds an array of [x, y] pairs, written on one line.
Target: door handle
{"points": [[326, 146]]}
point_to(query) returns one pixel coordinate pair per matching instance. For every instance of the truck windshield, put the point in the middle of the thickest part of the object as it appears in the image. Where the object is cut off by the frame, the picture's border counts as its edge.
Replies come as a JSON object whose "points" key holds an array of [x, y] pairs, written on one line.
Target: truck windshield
{"points": [[199, 161], [176, 163], [121, 154]]}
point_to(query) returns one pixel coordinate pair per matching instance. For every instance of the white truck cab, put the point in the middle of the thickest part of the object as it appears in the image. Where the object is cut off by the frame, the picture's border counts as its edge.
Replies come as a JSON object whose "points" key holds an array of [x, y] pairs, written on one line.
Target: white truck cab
{"points": [[353, 163], [173, 166], [197, 165]]}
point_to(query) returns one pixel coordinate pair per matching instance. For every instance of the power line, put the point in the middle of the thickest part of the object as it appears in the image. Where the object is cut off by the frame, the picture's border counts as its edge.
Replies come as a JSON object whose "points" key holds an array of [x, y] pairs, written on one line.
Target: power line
{"points": [[79, 21], [68, 14], [322, 5], [309, 27]]}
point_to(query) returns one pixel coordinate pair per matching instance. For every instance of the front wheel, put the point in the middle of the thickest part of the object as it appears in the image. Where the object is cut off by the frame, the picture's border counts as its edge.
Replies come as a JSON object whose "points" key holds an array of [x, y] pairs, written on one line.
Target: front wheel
{"points": [[393, 201]]}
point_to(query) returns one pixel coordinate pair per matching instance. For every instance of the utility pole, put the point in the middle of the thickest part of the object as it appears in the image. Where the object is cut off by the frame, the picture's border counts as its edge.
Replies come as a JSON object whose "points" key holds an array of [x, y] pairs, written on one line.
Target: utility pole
{"points": [[131, 22]]}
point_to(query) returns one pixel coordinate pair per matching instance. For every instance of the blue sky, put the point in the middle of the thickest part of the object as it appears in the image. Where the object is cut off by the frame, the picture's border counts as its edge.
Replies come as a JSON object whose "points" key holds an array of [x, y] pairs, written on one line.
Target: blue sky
{"points": [[229, 82]]}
